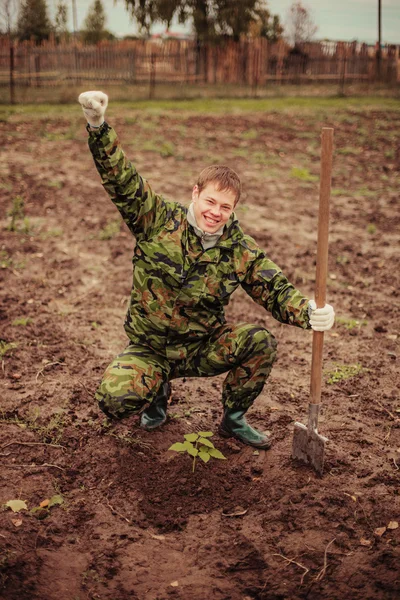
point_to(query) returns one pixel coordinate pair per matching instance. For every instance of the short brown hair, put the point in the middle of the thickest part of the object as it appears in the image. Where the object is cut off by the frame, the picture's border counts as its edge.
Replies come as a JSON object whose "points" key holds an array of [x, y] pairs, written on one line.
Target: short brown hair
{"points": [[225, 179]]}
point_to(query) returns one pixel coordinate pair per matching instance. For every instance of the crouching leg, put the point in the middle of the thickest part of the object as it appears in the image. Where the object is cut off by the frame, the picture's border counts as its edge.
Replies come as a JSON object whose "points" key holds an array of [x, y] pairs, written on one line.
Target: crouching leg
{"points": [[133, 379]]}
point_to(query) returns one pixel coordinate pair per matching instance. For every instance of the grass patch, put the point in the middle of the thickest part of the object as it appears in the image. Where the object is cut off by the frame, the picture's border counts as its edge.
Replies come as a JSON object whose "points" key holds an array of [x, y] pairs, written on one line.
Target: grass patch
{"points": [[303, 174], [164, 148], [5, 260], [293, 103], [250, 134], [343, 372], [51, 233], [349, 151], [110, 230], [351, 323], [55, 183], [339, 192]]}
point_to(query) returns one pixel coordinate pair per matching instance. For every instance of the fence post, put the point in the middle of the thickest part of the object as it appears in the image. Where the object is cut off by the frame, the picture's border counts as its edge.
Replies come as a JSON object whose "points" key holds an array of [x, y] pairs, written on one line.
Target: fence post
{"points": [[153, 59], [256, 67], [37, 69], [343, 73], [12, 83]]}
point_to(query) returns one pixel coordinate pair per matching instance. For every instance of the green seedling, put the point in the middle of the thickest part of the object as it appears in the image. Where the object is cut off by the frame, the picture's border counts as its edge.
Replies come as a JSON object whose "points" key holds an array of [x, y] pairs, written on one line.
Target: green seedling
{"points": [[22, 321], [5, 260], [198, 445], [6, 347], [16, 213], [343, 372], [371, 228], [43, 510]]}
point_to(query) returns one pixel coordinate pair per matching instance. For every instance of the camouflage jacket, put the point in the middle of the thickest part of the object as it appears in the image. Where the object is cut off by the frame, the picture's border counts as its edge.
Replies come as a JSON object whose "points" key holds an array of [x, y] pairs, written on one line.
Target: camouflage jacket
{"points": [[180, 290]]}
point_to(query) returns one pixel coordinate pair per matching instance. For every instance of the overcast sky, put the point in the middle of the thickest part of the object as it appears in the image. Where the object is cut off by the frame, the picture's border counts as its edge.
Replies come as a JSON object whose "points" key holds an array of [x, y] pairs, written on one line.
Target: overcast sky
{"points": [[336, 19]]}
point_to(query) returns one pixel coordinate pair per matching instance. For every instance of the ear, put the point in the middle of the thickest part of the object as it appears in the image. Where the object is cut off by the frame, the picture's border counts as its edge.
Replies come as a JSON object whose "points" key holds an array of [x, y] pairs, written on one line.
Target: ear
{"points": [[195, 193]]}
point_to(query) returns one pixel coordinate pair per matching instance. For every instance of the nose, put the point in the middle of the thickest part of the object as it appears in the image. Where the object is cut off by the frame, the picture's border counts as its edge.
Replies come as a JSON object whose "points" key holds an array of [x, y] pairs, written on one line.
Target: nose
{"points": [[215, 210]]}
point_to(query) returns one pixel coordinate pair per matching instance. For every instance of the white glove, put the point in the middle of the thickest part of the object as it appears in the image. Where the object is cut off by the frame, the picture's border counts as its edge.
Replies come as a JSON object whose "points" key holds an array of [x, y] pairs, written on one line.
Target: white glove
{"points": [[321, 319], [94, 106]]}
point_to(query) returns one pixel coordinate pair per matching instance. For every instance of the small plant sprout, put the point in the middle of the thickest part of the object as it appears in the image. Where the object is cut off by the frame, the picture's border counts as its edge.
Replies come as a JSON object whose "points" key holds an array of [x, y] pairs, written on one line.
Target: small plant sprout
{"points": [[16, 213], [198, 445]]}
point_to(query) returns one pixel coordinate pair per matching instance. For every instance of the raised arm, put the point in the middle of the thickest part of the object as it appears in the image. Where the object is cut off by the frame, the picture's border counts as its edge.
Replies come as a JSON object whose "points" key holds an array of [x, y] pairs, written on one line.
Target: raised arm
{"points": [[139, 206]]}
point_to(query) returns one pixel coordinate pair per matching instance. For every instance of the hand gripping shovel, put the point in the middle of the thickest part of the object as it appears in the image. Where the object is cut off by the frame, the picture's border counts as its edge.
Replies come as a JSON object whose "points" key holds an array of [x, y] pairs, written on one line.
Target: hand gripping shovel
{"points": [[308, 444]]}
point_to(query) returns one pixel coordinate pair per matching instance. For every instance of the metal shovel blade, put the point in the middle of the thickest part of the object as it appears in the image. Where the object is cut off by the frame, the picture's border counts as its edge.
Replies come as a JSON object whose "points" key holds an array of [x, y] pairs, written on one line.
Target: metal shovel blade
{"points": [[309, 446]]}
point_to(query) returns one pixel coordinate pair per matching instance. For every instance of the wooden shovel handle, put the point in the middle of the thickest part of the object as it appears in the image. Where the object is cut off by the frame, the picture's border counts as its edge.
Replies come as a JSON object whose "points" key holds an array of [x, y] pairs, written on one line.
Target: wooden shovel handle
{"points": [[322, 258]]}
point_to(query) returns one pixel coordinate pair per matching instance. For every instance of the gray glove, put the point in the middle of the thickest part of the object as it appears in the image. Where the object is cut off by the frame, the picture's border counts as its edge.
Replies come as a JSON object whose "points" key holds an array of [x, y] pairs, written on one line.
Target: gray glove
{"points": [[94, 106]]}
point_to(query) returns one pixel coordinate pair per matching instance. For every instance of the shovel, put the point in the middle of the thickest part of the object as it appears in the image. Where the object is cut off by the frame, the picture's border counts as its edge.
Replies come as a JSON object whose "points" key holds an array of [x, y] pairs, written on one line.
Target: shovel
{"points": [[308, 444]]}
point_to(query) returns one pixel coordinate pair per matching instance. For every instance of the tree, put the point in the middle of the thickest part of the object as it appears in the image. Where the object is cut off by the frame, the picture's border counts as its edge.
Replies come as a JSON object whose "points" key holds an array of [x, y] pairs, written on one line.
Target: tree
{"points": [[8, 14], [300, 26], [242, 17], [33, 21], [148, 12], [94, 26], [209, 17], [266, 25], [61, 20]]}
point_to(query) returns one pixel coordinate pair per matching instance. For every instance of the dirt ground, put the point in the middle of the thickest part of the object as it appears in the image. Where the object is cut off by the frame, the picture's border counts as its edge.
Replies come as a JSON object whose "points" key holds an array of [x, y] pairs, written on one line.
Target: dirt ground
{"points": [[135, 522]]}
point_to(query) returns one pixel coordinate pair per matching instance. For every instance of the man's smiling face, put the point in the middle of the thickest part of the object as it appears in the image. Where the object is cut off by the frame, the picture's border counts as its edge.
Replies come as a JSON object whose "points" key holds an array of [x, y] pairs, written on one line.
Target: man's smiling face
{"points": [[212, 207]]}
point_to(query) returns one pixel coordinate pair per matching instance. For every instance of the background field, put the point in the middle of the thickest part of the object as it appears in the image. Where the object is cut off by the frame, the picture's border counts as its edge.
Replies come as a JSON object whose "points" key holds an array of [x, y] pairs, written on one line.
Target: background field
{"points": [[134, 519]]}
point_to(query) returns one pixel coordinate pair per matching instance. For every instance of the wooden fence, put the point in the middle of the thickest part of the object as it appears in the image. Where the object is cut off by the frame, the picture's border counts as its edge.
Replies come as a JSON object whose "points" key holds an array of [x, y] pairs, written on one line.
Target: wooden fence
{"points": [[251, 62]]}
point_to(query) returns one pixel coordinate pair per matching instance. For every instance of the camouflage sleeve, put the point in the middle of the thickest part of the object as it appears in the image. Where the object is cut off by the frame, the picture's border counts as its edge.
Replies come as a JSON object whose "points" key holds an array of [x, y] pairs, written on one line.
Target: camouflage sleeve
{"points": [[268, 286], [139, 206]]}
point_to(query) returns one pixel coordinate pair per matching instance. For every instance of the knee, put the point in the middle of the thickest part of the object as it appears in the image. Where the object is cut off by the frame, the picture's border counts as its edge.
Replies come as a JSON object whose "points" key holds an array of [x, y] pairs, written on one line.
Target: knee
{"points": [[262, 338], [117, 404]]}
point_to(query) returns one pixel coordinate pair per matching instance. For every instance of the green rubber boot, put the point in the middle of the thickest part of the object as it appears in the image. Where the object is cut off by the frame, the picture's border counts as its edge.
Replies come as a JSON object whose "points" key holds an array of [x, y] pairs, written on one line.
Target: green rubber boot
{"points": [[234, 425], [156, 413]]}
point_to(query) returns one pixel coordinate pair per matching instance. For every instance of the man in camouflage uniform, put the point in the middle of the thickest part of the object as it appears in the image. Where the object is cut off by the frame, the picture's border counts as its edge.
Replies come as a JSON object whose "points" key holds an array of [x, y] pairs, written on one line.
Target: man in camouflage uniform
{"points": [[186, 265]]}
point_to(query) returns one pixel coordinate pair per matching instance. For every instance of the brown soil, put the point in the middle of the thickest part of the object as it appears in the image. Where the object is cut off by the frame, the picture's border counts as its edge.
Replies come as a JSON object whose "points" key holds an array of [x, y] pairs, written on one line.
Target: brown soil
{"points": [[136, 522]]}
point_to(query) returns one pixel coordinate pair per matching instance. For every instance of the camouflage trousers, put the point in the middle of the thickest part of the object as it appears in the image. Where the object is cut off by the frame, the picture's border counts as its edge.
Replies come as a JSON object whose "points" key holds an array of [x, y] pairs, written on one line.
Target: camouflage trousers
{"points": [[246, 352]]}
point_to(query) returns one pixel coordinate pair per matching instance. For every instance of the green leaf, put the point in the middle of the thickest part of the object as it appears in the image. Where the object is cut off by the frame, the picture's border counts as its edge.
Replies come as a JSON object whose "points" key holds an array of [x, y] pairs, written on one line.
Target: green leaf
{"points": [[206, 442], [192, 450], [56, 500], [205, 434], [204, 449], [216, 453], [16, 505], [191, 437], [178, 447], [205, 457]]}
